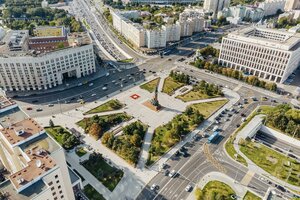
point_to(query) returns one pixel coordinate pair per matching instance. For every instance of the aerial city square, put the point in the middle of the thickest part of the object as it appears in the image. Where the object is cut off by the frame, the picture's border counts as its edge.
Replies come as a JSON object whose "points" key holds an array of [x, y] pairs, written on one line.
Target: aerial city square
{"points": [[150, 99]]}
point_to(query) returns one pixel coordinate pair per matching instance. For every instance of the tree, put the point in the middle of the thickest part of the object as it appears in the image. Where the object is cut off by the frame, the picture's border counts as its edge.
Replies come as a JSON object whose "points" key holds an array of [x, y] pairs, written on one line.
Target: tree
{"points": [[135, 140], [51, 123], [95, 130]]}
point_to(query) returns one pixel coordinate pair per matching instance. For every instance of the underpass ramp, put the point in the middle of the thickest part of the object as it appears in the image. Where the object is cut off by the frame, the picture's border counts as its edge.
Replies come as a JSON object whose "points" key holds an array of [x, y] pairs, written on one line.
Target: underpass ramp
{"points": [[247, 178]]}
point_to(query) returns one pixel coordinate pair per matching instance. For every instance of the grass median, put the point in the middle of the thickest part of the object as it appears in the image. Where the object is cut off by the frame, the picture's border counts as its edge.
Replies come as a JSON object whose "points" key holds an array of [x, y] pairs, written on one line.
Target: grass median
{"points": [[171, 85], [214, 190], [271, 161], [91, 193], [111, 105], [151, 85]]}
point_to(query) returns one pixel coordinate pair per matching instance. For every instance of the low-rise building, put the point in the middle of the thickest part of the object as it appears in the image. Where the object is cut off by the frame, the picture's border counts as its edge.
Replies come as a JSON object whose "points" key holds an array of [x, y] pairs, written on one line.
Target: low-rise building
{"points": [[267, 53], [292, 5]]}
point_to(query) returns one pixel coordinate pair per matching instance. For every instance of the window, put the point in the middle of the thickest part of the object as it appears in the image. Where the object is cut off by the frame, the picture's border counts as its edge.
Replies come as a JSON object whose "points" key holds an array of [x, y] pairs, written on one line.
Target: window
{"points": [[56, 176], [62, 196], [54, 193], [57, 181], [50, 183], [59, 187], [52, 188], [60, 192]]}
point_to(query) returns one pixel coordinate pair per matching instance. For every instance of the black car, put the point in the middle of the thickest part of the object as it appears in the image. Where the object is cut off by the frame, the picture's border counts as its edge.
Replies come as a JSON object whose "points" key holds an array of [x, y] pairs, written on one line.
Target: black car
{"points": [[35, 101], [166, 173]]}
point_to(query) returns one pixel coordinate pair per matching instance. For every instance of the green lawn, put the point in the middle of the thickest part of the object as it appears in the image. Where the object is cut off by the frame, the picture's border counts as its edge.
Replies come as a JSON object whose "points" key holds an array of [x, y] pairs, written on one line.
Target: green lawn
{"points": [[208, 108], [275, 163], [53, 131], [170, 86], [91, 193], [195, 95], [107, 121], [111, 105], [109, 176], [214, 190], [231, 151], [86, 24], [62, 136], [151, 85], [80, 151], [126, 60], [250, 196]]}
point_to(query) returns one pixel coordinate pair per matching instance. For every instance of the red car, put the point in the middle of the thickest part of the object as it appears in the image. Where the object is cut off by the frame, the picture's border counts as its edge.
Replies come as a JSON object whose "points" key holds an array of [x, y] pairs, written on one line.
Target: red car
{"points": [[28, 108]]}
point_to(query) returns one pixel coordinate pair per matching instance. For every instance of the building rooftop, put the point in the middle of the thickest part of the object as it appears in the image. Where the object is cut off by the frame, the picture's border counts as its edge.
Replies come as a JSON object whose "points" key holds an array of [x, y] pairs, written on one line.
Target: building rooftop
{"points": [[12, 116], [29, 193], [40, 163], [6, 103], [22, 130], [268, 37]]}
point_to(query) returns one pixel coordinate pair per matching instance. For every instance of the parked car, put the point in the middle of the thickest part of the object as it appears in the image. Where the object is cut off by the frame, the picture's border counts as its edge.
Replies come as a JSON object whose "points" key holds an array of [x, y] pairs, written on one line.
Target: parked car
{"points": [[154, 187], [172, 173], [188, 188]]}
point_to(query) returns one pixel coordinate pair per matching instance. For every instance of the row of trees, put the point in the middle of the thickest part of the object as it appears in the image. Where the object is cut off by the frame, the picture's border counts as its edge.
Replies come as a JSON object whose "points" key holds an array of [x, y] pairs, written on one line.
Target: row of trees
{"points": [[236, 74], [286, 119], [68, 140], [209, 89], [287, 22], [96, 125], [28, 14], [180, 77], [209, 51], [171, 133], [128, 145]]}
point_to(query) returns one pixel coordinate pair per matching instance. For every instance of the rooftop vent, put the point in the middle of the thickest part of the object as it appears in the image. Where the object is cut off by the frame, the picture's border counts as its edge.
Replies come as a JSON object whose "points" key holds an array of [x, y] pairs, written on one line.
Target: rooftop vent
{"points": [[20, 180], [38, 163]]}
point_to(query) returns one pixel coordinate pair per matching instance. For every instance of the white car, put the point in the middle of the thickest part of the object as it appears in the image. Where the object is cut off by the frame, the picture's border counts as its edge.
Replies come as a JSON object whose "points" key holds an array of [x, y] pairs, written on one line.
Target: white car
{"points": [[154, 187], [172, 173], [93, 95], [91, 84], [79, 84], [104, 88], [188, 188]]}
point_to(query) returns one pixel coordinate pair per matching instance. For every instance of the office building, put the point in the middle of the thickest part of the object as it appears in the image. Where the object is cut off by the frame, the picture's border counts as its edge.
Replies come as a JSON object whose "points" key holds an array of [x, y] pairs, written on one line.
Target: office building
{"points": [[292, 5], [271, 7], [35, 63], [215, 6], [267, 53], [35, 164]]}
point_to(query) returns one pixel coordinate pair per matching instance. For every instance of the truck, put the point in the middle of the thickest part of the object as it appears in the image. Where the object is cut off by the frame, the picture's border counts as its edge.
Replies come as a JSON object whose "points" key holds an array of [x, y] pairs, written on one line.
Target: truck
{"points": [[213, 137]]}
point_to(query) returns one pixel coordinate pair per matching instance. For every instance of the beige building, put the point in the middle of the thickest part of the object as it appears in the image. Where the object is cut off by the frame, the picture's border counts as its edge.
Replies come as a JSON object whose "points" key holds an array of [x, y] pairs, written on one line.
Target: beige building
{"points": [[35, 69], [215, 6], [292, 5], [36, 162], [267, 53], [172, 32], [134, 32], [155, 38], [271, 7]]}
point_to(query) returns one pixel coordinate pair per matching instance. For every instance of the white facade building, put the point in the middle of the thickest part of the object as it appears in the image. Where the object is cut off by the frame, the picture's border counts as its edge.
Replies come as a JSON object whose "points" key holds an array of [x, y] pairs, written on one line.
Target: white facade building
{"points": [[215, 6], [271, 7], [155, 38], [134, 32], [46, 71], [36, 162], [269, 54], [292, 5], [172, 32]]}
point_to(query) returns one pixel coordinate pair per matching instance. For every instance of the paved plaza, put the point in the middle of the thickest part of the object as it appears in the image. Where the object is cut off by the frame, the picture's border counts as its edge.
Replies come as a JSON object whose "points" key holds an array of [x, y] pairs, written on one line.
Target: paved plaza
{"points": [[134, 178]]}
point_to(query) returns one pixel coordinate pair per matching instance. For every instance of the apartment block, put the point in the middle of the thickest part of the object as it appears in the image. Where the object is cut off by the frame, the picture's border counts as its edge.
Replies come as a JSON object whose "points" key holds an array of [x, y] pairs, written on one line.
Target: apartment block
{"points": [[292, 5], [155, 38], [172, 32], [34, 164], [41, 64], [271, 7], [215, 6], [267, 53]]}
